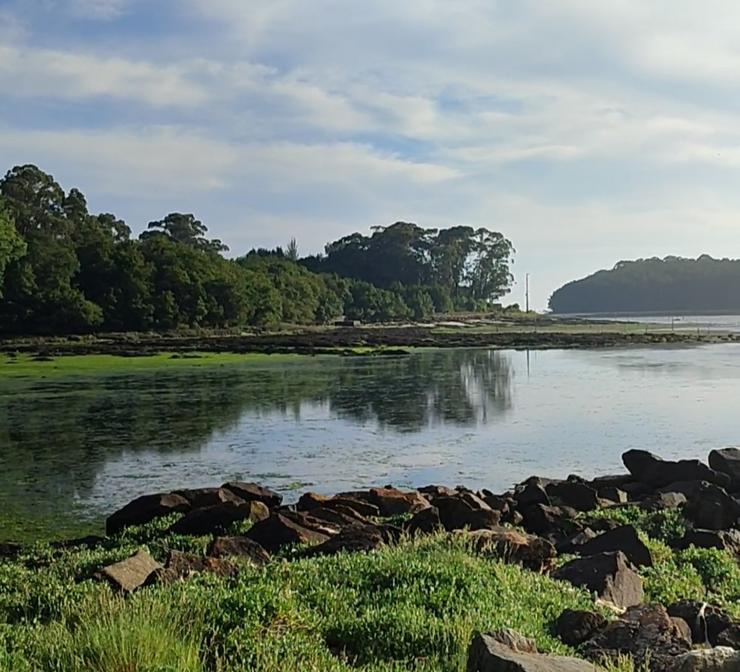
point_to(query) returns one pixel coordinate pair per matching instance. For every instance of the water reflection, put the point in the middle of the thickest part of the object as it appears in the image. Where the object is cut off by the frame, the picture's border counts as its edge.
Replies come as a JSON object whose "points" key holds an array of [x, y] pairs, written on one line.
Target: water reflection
{"points": [[56, 437]]}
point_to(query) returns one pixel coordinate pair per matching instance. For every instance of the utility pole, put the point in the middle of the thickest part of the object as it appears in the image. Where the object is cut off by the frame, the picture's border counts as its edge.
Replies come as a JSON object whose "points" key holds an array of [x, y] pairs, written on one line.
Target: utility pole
{"points": [[526, 291]]}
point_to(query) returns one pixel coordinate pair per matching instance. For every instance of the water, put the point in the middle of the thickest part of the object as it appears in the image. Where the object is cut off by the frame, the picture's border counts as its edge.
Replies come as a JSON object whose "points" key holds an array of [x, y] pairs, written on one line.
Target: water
{"points": [[80, 447], [698, 323]]}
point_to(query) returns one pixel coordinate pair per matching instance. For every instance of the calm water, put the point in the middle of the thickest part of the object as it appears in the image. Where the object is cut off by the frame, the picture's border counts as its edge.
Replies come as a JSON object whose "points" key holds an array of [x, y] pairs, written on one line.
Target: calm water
{"points": [[84, 446]]}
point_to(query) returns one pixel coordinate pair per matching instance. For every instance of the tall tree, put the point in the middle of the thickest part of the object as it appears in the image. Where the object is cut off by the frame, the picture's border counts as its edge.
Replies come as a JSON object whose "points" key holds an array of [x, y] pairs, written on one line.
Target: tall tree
{"points": [[12, 246]]}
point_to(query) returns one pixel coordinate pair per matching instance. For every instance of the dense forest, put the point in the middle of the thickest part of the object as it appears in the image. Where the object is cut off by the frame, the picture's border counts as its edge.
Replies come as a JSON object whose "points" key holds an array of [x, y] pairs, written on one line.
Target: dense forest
{"points": [[673, 284], [66, 270]]}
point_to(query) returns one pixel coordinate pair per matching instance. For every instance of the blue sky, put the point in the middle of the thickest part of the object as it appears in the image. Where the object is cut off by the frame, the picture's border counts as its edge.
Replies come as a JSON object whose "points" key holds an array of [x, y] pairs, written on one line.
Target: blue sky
{"points": [[587, 132]]}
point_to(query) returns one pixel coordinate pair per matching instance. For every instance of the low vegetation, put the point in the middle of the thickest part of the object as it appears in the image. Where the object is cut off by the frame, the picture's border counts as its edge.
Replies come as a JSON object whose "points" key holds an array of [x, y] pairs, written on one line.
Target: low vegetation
{"points": [[410, 606]]}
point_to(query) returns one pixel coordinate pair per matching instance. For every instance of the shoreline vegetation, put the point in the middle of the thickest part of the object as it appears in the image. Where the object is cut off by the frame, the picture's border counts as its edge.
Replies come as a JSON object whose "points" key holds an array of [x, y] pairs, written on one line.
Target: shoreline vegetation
{"points": [[131, 351], [630, 572]]}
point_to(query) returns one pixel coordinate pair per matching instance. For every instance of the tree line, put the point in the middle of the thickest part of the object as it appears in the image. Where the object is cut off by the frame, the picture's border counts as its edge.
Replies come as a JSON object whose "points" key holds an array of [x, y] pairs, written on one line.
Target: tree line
{"points": [[64, 269], [672, 284]]}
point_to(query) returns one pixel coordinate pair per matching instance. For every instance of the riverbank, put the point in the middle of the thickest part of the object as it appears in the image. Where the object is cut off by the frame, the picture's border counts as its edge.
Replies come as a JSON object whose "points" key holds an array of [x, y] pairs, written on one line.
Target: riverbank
{"points": [[389, 339], [613, 570]]}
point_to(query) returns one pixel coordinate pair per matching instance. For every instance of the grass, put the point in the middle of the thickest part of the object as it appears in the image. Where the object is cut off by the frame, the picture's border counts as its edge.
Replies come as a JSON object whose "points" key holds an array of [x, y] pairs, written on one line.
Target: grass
{"points": [[409, 607]]}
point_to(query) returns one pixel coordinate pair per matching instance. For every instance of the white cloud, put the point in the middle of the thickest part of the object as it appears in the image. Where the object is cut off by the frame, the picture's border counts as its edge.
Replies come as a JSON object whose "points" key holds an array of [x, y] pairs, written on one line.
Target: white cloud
{"points": [[101, 10]]}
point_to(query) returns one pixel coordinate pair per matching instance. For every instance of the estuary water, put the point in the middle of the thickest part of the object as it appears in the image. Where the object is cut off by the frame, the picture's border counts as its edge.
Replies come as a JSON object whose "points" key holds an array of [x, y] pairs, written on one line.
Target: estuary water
{"points": [[79, 447]]}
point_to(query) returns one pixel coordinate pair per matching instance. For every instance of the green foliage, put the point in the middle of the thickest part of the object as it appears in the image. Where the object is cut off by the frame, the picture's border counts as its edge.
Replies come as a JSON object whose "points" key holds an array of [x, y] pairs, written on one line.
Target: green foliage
{"points": [[12, 246], [655, 285], [663, 525]]}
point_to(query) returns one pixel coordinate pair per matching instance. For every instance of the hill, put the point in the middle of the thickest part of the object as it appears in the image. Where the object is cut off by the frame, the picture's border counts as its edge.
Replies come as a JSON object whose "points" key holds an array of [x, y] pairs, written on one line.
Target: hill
{"points": [[672, 284]]}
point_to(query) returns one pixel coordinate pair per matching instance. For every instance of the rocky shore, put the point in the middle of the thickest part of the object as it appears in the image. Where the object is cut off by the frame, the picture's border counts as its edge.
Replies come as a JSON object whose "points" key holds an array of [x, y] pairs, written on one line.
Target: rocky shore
{"points": [[333, 341], [572, 530]]}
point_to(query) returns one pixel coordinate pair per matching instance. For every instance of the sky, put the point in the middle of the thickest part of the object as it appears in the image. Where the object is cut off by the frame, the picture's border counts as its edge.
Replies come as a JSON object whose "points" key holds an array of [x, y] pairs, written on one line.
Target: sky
{"points": [[585, 131]]}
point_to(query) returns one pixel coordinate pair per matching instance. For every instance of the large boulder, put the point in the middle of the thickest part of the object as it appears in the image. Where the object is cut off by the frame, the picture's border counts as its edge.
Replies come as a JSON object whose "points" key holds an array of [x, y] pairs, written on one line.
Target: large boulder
{"points": [[573, 627], [727, 460], [513, 546], [131, 573], [425, 521], [574, 493], [707, 622], [713, 509], [279, 530], [350, 540], [254, 492], [214, 519], [609, 575], [645, 633], [551, 520], [488, 654], [724, 540], [393, 502], [199, 498], [656, 472], [455, 513], [625, 539], [145, 509], [531, 493], [721, 659], [181, 566]]}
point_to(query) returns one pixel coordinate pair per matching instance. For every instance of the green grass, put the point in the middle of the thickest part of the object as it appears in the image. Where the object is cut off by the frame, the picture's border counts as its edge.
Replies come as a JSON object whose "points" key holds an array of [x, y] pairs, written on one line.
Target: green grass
{"points": [[25, 366]]}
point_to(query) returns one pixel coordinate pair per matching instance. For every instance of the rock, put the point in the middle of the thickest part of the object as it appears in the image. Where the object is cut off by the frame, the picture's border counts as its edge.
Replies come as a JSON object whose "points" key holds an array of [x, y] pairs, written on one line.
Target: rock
{"points": [[721, 659], [241, 547], [425, 521], [655, 471], [181, 566], [726, 460], [531, 494], [254, 492], [365, 509], [725, 540], [455, 514], [437, 491], [486, 654], [612, 494], [338, 515], [131, 573], [623, 539], [690, 489], [729, 637], [311, 500], [573, 627], [713, 509], [706, 621], [349, 540], [278, 530], [574, 493], [543, 519], [637, 491], [144, 509], [310, 522], [644, 633], [513, 546], [573, 542], [609, 575], [213, 519], [199, 498], [610, 481], [513, 640], [664, 500], [393, 502]]}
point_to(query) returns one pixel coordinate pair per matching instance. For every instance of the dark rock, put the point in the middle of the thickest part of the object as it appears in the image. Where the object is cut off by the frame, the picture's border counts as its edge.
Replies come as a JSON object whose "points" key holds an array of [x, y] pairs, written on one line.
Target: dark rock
{"points": [[181, 566], [637, 491], [724, 540], [349, 540], [726, 460], [610, 481], [241, 547], [311, 500], [609, 575], [625, 539], [10, 550], [574, 493], [690, 489], [573, 542], [720, 659], [574, 627], [612, 494], [655, 471], [310, 522], [214, 519], [365, 509], [543, 519], [486, 654], [729, 637], [144, 509], [393, 502], [645, 633], [713, 509], [706, 621], [425, 521], [437, 491], [664, 500], [513, 546], [131, 573], [513, 640], [278, 530], [254, 492], [530, 495], [199, 498], [341, 516], [455, 514], [474, 501]]}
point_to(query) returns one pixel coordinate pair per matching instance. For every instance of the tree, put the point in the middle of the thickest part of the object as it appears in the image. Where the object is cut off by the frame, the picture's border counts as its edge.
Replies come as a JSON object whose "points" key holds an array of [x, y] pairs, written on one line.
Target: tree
{"points": [[12, 246], [291, 252], [185, 229]]}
